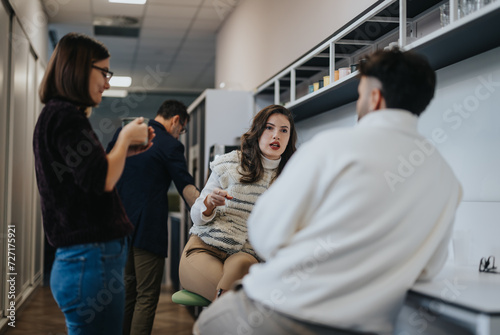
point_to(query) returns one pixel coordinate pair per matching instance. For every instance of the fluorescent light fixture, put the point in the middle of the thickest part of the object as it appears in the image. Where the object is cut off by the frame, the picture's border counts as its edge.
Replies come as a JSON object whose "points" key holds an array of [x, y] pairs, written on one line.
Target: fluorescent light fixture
{"points": [[120, 81], [130, 2], [115, 93]]}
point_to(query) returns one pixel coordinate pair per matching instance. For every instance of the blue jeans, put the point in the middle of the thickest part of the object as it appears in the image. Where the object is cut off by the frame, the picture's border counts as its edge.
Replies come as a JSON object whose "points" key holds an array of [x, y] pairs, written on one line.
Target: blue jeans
{"points": [[87, 284]]}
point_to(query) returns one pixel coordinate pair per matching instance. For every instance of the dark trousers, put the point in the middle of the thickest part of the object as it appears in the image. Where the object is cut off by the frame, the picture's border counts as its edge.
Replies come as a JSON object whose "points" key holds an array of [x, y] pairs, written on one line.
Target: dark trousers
{"points": [[143, 274]]}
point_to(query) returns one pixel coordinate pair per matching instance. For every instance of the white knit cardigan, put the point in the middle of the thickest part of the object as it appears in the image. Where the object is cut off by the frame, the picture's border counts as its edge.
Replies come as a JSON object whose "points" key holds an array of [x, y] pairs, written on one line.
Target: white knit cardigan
{"points": [[227, 228]]}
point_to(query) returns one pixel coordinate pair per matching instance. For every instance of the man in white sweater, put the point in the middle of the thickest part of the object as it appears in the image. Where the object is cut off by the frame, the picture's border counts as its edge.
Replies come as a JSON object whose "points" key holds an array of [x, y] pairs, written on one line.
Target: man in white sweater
{"points": [[356, 217]]}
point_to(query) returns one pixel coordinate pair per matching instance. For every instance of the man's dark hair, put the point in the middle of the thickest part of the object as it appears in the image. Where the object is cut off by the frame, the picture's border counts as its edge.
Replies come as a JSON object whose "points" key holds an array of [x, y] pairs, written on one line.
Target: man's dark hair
{"points": [[408, 81], [171, 108]]}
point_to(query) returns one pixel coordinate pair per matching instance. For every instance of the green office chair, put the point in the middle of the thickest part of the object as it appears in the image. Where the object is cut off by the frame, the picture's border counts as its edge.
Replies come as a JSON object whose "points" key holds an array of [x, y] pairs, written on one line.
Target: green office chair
{"points": [[187, 298]]}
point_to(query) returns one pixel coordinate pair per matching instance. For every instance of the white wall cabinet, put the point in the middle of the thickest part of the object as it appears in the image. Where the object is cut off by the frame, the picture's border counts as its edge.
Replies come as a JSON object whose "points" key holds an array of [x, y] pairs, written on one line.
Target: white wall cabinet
{"points": [[217, 117], [413, 25]]}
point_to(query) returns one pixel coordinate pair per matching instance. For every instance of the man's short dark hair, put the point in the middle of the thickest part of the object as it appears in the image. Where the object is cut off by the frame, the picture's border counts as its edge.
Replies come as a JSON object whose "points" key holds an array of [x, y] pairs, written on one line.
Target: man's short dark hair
{"points": [[171, 108], [408, 81]]}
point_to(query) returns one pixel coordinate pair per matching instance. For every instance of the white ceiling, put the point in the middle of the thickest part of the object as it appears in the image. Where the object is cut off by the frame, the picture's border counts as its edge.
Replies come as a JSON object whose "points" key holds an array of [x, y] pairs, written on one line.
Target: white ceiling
{"points": [[176, 39]]}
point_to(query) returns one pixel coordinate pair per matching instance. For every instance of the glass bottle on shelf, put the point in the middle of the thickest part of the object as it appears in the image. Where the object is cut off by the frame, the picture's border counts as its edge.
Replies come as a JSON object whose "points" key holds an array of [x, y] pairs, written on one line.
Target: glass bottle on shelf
{"points": [[444, 12]]}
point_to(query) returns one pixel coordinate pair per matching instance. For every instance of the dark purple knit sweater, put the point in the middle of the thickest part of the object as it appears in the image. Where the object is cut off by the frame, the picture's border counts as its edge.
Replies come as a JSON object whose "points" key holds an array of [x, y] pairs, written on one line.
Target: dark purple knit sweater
{"points": [[71, 168]]}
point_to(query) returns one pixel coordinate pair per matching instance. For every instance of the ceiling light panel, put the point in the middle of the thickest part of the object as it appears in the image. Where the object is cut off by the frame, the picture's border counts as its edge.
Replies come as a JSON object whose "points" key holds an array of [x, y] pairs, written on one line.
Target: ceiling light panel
{"points": [[115, 93], [120, 81], [129, 2]]}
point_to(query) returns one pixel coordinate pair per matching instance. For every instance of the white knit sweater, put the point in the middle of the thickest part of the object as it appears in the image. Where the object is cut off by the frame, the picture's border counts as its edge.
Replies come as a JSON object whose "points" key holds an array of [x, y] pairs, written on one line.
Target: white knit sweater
{"points": [[226, 228]]}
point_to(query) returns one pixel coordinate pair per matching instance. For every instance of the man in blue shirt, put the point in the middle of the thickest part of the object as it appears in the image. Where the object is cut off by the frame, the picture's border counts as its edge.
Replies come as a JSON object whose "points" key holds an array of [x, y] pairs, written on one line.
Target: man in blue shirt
{"points": [[143, 189]]}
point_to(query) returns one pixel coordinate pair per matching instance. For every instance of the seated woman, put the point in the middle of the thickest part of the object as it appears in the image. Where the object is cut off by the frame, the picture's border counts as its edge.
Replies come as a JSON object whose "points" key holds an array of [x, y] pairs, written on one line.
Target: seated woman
{"points": [[218, 252]]}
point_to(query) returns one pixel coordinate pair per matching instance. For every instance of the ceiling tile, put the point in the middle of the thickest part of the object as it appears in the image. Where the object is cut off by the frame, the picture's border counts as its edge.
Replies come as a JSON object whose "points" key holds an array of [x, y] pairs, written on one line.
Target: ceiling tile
{"points": [[175, 35], [200, 34], [212, 13], [187, 56], [124, 44], [119, 48], [205, 40], [154, 50], [146, 71], [62, 29], [143, 62], [121, 61], [161, 48], [218, 8], [206, 25], [161, 32], [72, 17], [105, 8], [176, 2], [161, 23], [198, 48], [151, 63], [168, 12], [55, 7]]}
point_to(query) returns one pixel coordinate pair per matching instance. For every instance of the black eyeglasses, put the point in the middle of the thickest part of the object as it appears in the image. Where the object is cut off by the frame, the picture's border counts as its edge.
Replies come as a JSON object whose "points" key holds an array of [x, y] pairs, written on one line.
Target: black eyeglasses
{"points": [[183, 129], [106, 73], [487, 265]]}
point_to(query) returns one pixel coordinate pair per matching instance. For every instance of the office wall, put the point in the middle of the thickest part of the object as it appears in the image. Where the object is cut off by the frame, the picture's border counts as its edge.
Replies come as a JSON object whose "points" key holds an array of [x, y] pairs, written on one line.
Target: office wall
{"points": [[463, 121], [33, 19], [262, 37], [4, 79], [21, 236]]}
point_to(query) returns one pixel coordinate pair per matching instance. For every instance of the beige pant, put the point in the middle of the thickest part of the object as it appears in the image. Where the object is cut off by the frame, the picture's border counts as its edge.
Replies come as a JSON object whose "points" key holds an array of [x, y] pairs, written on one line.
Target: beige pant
{"points": [[204, 269]]}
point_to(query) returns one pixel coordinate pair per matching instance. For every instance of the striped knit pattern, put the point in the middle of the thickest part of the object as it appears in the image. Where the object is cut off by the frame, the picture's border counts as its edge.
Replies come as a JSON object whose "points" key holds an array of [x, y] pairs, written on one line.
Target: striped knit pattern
{"points": [[228, 229]]}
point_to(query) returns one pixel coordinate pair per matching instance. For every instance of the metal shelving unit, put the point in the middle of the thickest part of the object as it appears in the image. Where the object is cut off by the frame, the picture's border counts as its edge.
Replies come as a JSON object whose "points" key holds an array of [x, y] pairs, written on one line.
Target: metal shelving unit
{"points": [[413, 25]]}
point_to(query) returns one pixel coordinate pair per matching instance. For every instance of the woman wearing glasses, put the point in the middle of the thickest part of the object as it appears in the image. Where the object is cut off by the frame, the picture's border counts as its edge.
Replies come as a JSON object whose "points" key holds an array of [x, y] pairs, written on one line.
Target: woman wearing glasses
{"points": [[82, 214]]}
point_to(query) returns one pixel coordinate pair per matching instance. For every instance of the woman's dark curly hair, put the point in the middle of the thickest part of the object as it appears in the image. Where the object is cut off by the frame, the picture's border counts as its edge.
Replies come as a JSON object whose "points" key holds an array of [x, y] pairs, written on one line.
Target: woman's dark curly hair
{"points": [[252, 169]]}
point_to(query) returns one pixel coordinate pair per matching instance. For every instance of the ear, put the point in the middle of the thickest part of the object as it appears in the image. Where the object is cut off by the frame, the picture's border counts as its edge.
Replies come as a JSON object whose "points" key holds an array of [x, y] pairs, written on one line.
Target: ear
{"points": [[376, 100], [175, 119]]}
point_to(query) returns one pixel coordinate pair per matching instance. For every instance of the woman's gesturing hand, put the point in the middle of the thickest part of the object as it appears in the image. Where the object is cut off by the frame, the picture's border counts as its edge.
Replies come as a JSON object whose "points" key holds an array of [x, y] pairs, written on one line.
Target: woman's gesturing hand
{"points": [[216, 198]]}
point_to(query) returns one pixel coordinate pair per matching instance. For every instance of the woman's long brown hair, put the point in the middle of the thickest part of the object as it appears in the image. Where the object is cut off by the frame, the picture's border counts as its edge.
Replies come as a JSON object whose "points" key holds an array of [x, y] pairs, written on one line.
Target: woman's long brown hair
{"points": [[252, 169]]}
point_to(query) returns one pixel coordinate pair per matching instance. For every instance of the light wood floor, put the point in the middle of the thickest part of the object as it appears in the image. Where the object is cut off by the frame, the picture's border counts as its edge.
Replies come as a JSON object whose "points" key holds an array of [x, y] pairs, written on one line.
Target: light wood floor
{"points": [[41, 316]]}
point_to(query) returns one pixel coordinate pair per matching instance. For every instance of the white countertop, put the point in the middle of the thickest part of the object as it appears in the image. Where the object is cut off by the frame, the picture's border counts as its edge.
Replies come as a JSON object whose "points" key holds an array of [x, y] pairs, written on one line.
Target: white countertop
{"points": [[464, 286]]}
